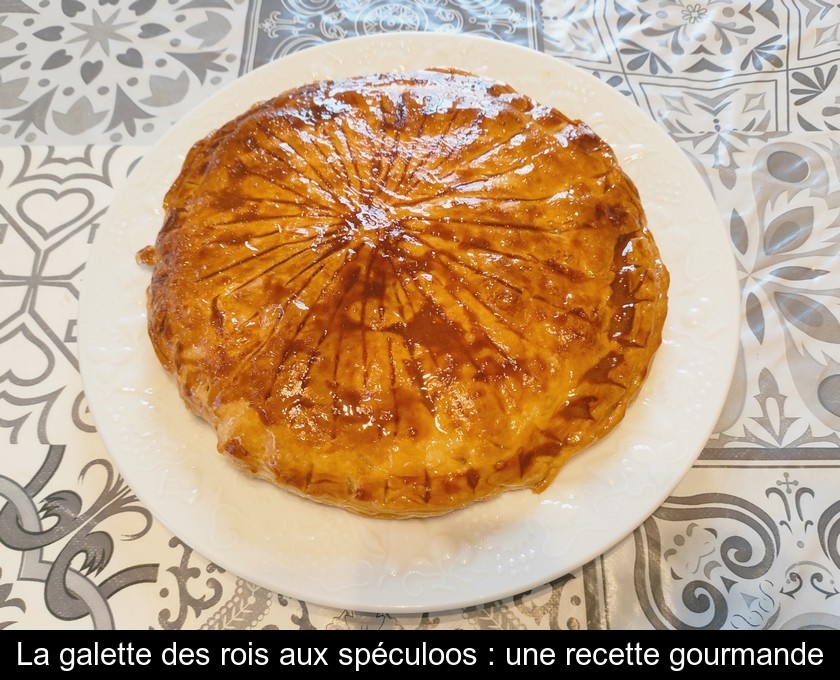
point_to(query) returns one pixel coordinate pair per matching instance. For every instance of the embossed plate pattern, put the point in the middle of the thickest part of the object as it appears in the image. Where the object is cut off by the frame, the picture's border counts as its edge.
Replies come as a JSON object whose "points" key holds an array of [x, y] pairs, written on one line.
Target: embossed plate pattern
{"points": [[485, 552]]}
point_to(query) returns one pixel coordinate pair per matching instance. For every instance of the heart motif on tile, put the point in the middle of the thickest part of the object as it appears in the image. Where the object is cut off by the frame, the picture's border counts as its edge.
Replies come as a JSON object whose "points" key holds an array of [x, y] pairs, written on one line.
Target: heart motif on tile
{"points": [[131, 57], [50, 33], [34, 360], [48, 211], [89, 70], [57, 60], [140, 7], [72, 7], [152, 30]]}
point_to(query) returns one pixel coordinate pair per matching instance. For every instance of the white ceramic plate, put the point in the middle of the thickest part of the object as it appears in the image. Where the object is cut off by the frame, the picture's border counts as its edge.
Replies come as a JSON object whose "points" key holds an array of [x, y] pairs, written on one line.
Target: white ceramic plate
{"points": [[491, 550]]}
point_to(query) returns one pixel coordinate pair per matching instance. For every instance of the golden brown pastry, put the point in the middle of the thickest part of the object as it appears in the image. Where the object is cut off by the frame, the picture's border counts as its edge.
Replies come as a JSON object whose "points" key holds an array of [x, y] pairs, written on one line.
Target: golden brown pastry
{"points": [[403, 293]]}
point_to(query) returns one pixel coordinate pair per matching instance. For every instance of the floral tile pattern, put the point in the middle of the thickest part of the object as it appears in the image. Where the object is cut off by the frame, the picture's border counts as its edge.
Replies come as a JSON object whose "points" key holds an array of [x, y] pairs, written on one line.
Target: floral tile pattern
{"points": [[689, 63], [815, 27], [785, 244], [577, 31], [280, 27], [119, 72]]}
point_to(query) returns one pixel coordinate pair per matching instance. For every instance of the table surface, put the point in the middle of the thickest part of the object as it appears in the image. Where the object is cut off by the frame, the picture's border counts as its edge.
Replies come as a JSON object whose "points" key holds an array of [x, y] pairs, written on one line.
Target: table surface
{"points": [[750, 538]]}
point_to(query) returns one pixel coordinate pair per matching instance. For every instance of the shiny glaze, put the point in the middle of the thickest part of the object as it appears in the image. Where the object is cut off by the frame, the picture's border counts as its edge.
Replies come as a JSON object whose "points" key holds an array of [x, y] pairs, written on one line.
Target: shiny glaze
{"points": [[403, 293]]}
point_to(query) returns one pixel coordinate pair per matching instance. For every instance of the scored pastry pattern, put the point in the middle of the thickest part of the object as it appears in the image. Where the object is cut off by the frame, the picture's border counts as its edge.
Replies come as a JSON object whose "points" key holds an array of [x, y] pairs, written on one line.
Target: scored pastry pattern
{"points": [[399, 319]]}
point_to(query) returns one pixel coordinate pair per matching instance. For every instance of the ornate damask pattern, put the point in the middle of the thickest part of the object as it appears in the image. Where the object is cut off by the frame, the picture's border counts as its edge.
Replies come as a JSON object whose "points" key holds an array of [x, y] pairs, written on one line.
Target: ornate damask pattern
{"points": [[119, 71], [711, 567], [49, 532], [276, 28], [713, 560], [537, 608]]}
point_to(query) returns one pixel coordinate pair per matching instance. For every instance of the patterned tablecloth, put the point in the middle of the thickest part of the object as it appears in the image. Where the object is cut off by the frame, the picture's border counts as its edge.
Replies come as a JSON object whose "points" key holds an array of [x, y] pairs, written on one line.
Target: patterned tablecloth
{"points": [[750, 91]]}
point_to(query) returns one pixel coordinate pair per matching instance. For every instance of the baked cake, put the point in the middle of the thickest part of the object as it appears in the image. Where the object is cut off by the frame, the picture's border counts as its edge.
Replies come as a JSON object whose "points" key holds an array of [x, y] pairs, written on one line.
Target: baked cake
{"points": [[402, 293]]}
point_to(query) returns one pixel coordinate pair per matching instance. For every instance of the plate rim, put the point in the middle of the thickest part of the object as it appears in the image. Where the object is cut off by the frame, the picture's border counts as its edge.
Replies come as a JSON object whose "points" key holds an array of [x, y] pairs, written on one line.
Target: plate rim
{"points": [[178, 131]]}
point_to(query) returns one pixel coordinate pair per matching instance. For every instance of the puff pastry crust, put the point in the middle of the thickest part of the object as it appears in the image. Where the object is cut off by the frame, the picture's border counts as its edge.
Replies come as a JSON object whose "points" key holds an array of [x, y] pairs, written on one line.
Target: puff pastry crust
{"points": [[400, 294]]}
